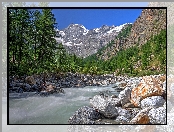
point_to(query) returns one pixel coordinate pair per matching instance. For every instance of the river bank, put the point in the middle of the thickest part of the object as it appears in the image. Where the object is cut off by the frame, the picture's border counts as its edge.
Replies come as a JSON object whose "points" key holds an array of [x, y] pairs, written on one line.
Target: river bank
{"points": [[106, 99]]}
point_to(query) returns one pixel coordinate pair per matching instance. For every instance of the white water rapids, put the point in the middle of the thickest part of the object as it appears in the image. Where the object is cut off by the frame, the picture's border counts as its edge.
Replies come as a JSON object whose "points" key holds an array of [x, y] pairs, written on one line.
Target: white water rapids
{"points": [[54, 109]]}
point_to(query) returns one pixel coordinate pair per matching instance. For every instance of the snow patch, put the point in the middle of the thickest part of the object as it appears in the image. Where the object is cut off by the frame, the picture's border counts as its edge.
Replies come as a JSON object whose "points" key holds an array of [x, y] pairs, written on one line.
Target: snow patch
{"points": [[79, 44], [68, 43], [85, 32], [96, 30], [62, 33]]}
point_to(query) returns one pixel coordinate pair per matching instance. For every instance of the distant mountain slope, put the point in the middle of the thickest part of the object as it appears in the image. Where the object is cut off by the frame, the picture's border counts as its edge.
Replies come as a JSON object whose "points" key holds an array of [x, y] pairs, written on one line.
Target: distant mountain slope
{"points": [[83, 42], [149, 23]]}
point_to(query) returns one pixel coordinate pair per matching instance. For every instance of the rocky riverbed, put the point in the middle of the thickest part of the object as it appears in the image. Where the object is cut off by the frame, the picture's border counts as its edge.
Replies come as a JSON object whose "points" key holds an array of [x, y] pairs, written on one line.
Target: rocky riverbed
{"points": [[49, 84], [141, 100]]}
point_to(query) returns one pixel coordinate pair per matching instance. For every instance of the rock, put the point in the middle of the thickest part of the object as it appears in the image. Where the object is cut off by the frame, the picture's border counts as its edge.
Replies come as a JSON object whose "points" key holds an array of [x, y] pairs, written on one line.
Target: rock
{"points": [[114, 101], [148, 87], [30, 80], [104, 83], [157, 115], [20, 90], [128, 105], [123, 112], [114, 96], [34, 87], [125, 95], [44, 93], [84, 115], [27, 87], [122, 84], [105, 107], [50, 88], [121, 120], [154, 101], [60, 90], [141, 117]]}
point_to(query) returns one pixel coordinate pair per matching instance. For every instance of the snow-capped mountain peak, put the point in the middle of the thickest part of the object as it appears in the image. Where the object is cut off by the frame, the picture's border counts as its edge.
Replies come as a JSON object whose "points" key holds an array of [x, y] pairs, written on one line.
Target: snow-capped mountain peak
{"points": [[76, 36]]}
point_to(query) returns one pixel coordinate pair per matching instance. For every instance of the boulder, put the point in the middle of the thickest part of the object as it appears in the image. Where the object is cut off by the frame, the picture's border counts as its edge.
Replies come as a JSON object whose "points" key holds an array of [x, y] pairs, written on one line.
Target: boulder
{"points": [[27, 87], [50, 88], [157, 115], [104, 106], [114, 101], [123, 112], [122, 119], [141, 117], [154, 101], [148, 87], [122, 84], [125, 95], [128, 105], [30, 80], [84, 115]]}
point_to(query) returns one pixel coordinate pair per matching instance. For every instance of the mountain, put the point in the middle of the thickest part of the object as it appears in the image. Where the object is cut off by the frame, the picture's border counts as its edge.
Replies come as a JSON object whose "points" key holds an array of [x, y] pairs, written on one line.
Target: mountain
{"points": [[83, 42], [148, 24]]}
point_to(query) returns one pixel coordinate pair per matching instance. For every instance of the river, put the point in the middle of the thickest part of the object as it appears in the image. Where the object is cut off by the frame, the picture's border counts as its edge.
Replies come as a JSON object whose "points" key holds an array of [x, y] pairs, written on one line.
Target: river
{"points": [[54, 109]]}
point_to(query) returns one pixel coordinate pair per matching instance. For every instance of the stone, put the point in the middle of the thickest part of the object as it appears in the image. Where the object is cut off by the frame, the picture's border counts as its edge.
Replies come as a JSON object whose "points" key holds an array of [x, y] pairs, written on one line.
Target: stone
{"points": [[114, 101], [125, 95], [44, 93], [122, 84], [27, 87], [114, 96], [128, 105], [84, 115], [34, 87], [123, 112], [50, 88], [148, 87], [20, 90], [121, 119], [154, 101], [141, 117], [157, 115], [105, 107], [30, 80]]}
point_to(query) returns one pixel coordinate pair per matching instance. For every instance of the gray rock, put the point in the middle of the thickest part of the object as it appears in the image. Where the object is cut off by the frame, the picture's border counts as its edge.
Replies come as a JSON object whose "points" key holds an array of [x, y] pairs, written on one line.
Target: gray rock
{"points": [[20, 90], [123, 112], [84, 115], [157, 115], [154, 101], [122, 84], [125, 95], [122, 119], [104, 106], [141, 117], [27, 87]]}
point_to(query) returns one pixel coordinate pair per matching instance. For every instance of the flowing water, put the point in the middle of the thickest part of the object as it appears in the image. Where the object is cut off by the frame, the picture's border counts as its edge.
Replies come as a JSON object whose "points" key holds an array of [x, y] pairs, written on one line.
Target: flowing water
{"points": [[54, 109]]}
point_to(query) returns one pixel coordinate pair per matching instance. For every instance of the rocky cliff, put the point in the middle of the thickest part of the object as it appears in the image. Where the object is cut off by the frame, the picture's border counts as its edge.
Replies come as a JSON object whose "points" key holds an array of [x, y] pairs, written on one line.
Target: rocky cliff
{"points": [[149, 23]]}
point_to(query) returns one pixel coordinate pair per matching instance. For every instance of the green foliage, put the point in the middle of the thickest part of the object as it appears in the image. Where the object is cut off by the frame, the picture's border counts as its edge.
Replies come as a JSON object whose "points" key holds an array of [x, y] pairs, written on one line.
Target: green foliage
{"points": [[125, 32], [33, 50], [122, 34], [153, 53], [31, 43]]}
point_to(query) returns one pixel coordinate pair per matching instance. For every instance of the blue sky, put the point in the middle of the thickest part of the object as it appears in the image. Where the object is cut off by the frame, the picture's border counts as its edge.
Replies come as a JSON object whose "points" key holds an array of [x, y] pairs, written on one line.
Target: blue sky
{"points": [[95, 18]]}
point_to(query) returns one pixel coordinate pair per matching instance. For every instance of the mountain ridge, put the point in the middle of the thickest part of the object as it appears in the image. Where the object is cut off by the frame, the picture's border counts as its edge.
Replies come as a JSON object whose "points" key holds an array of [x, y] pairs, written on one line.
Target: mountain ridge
{"points": [[84, 42]]}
